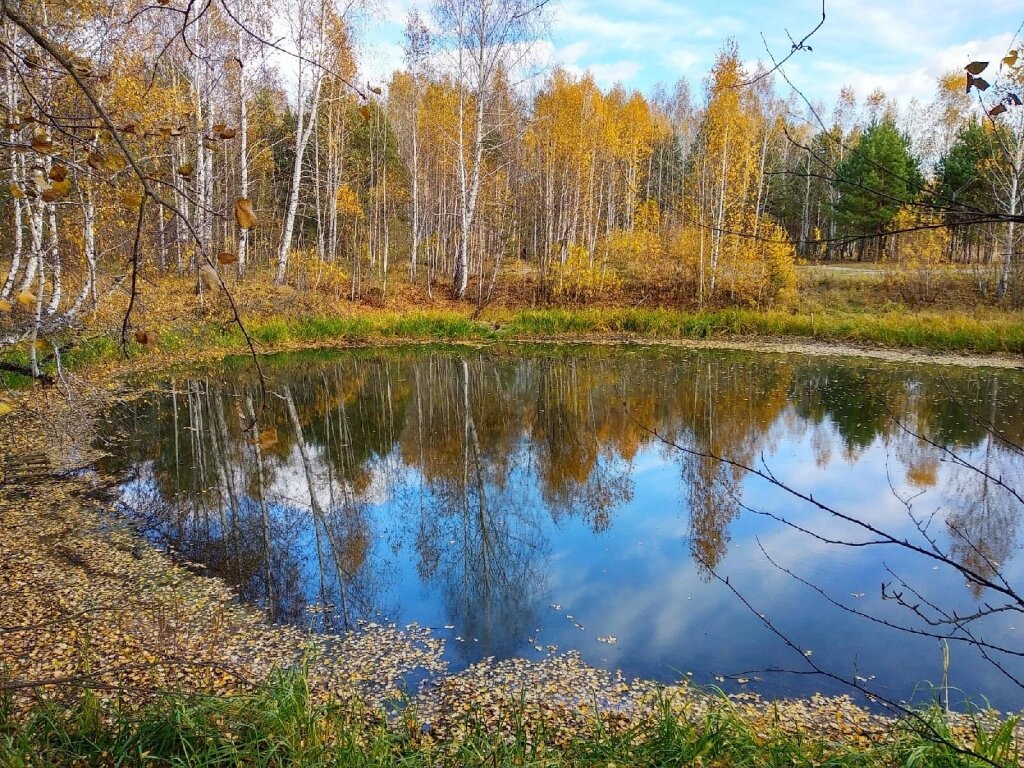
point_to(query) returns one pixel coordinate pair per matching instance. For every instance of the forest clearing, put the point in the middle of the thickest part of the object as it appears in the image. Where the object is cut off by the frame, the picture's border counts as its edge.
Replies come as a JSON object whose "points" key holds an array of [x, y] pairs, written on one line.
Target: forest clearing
{"points": [[423, 385]]}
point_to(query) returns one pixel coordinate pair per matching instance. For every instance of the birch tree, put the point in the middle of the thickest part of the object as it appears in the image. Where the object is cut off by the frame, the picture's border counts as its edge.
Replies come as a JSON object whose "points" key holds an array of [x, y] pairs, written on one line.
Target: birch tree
{"points": [[481, 39]]}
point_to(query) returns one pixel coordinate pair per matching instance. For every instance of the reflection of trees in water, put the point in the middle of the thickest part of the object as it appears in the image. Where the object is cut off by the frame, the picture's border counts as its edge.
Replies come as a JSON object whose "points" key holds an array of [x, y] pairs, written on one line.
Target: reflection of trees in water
{"points": [[984, 524], [476, 532], [582, 471], [470, 452]]}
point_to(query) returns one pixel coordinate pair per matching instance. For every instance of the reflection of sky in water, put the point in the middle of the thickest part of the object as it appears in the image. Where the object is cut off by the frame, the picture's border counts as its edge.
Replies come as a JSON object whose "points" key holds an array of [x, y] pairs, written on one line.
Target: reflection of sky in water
{"points": [[490, 565]]}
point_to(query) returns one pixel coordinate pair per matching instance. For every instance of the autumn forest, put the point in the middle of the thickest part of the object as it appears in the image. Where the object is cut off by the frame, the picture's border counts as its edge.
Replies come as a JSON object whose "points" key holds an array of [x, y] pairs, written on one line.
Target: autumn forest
{"points": [[462, 400], [199, 141]]}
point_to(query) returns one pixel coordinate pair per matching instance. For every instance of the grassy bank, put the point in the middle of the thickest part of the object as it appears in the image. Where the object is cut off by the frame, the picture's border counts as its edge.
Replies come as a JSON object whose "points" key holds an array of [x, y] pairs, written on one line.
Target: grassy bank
{"points": [[945, 332], [982, 333], [280, 725]]}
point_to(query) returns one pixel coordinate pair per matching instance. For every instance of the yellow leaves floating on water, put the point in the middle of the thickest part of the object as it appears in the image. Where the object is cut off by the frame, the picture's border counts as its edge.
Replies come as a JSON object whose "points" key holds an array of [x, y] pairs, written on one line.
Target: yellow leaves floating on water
{"points": [[26, 299], [244, 214]]}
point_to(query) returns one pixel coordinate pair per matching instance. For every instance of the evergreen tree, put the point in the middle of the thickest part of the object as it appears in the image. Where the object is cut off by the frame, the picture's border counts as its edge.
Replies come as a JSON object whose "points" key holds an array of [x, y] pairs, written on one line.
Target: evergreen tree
{"points": [[964, 184], [878, 178]]}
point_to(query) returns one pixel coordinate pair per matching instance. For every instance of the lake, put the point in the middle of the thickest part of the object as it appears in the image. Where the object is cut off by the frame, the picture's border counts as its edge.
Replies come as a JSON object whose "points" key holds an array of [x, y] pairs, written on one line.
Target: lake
{"points": [[527, 500]]}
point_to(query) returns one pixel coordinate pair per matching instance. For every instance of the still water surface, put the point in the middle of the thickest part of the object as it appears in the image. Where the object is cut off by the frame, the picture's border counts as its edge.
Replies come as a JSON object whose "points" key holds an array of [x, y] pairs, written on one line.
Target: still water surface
{"points": [[516, 500]]}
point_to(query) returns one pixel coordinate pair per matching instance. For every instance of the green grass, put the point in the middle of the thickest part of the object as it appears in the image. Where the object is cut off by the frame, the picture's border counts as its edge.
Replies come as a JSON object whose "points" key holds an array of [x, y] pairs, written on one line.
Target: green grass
{"points": [[279, 725], [946, 332]]}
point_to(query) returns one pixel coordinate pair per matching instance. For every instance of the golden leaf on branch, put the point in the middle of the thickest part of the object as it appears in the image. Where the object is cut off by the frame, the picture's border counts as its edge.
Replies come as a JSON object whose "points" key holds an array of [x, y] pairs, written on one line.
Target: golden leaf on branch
{"points": [[186, 170], [5, 306], [210, 144], [227, 133], [32, 60], [58, 173], [365, 112], [41, 142], [81, 66], [96, 161], [131, 122], [57, 190], [115, 162], [244, 214], [26, 299], [12, 125], [218, 127], [16, 192], [227, 257], [1010, 59]]}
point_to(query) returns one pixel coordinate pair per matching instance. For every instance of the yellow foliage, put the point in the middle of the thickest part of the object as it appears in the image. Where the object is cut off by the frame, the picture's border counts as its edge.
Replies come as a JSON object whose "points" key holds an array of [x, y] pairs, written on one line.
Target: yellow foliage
{"points": [[757, 271], [348, 204], [315, 274], [917, 255], [580, 278]]}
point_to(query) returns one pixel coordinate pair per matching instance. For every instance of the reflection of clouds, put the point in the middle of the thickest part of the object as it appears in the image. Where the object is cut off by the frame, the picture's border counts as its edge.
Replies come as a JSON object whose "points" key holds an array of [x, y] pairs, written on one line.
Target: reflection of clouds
{"points": [[477, 490], [683, 622], [288, 483], [141, 488]]}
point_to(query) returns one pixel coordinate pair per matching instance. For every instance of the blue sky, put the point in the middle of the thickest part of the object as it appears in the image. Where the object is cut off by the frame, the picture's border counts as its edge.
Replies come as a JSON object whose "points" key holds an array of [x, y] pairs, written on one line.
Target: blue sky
{"points": [[899, 45]]}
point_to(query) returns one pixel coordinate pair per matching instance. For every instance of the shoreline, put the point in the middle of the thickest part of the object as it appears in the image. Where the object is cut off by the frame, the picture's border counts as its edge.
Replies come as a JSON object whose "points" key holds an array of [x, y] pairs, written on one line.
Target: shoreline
{"points": [[995, 341], [100, 595]]}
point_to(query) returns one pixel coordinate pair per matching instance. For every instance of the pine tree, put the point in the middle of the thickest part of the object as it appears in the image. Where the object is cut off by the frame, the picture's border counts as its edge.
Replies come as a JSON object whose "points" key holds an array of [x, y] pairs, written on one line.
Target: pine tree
{"points": [[877, 178]]}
